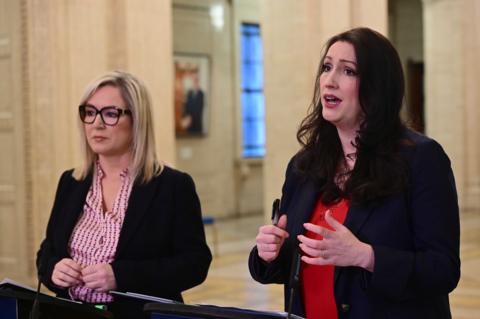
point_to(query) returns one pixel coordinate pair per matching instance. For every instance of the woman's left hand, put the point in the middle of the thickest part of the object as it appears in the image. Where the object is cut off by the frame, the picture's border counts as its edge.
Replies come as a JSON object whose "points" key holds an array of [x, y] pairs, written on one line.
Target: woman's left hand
{"points": [[99, 277], [338, 247]]}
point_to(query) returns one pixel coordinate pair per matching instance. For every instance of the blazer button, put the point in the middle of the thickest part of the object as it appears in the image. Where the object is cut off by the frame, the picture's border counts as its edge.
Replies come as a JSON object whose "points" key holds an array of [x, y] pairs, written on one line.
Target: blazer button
{"points": [[344, 307]]}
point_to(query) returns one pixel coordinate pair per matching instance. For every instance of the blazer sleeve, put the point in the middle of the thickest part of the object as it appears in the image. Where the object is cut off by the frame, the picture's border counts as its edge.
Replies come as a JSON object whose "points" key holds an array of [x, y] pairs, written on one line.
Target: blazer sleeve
{"points": [[278, 270], [432, 267], [186, 263], [47, 255]]}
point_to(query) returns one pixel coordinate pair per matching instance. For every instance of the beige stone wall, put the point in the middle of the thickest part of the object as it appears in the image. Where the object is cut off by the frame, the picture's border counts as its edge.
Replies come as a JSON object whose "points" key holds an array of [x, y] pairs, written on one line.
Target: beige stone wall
{"points": [[295, 32], [471, 20], [292, 47], [65, 44], [452, 41], [149, 55], [445, 81], [13, 203]]}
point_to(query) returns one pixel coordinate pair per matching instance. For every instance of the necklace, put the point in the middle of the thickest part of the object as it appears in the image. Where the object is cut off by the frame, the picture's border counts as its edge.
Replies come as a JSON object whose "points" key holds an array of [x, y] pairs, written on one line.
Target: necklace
{"points": [[351, 156], [345, 169]]}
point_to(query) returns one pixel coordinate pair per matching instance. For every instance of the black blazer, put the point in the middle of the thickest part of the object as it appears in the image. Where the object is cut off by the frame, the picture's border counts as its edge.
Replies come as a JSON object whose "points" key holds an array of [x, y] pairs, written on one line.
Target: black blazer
{"points": [[415, 237], [161, 250]]}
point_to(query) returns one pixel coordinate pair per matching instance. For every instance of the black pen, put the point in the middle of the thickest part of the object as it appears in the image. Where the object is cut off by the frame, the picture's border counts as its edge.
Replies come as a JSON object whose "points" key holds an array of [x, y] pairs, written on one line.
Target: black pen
{"points": [[275, 211]]}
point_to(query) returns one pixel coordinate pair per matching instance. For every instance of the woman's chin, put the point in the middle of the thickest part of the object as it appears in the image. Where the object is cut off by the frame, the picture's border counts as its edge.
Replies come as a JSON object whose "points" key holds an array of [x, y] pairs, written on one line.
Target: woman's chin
{"points": [[332, 119], [105, 152]]}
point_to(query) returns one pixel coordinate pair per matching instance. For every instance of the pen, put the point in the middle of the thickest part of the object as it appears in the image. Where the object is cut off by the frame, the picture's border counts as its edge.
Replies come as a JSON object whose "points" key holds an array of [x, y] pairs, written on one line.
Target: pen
{"points": [[275, 211]]}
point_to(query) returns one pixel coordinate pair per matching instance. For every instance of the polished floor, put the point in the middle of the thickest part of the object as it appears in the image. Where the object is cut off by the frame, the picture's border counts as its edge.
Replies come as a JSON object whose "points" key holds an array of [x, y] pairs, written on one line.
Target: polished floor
{"points": [[229, 283]]}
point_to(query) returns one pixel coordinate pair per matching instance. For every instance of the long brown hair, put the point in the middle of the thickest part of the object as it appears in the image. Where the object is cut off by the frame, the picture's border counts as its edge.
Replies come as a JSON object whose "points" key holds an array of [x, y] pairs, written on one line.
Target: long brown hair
{"points": [[379, 170]]}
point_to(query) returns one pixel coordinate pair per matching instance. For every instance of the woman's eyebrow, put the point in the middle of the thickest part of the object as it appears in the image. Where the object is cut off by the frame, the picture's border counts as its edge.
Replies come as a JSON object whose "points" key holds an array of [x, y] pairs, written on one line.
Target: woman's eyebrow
{"points": [[341, 60], [348, 61]]}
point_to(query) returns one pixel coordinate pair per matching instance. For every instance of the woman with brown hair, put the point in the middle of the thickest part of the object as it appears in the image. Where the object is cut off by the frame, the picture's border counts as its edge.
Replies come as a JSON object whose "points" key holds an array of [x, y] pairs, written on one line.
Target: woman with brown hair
{"points": [[370, 204]]}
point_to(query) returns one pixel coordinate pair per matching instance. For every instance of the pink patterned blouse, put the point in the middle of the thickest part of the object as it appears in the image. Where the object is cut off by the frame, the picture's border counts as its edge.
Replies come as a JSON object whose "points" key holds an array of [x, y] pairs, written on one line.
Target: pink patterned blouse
{"points": [[95, 236]]}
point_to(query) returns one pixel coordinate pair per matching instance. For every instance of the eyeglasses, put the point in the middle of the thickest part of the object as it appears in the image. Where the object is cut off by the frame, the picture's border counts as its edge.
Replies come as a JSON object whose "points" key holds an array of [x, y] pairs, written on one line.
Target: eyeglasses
{"points": [[109, 114]]}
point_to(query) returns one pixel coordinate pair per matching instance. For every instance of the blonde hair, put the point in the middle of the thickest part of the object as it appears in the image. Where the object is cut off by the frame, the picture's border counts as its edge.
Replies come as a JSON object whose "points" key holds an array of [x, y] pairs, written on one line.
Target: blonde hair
{"points": [[144, 164]]}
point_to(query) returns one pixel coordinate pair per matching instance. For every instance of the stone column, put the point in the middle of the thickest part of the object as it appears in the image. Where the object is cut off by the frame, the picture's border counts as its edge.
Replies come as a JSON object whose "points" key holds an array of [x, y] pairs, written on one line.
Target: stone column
{"points": [[148, 40], [445, 81], [292, 44], [471, 127], [13, 202]]}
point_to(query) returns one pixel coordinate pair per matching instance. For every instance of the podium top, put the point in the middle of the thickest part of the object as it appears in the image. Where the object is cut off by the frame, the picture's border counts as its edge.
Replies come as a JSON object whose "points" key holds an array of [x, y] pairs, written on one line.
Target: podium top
{"points": [[213, 312], [60, 305]]}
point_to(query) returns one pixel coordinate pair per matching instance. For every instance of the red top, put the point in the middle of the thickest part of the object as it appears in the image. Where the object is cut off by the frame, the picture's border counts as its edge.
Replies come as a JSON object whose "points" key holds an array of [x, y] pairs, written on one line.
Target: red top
{"points": [[317, 281]]}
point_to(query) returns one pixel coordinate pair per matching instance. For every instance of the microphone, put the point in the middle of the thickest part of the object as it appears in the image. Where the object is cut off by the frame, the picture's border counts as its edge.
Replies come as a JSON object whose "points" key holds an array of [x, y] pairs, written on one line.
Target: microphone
{"points": [[275, 211], [294, 280], [41, 263], [35, 312]]}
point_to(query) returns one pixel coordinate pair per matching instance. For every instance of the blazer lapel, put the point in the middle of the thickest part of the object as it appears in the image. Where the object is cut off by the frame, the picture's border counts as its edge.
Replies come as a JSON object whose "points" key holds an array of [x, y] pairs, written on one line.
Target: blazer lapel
{"points": [[73, 208], [357, 216], [306, 198], [138, 204]]}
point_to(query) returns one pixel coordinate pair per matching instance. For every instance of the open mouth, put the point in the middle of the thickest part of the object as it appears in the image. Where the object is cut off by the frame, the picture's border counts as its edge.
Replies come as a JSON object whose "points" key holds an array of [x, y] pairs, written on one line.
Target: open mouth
{"points": [[331, 99]]}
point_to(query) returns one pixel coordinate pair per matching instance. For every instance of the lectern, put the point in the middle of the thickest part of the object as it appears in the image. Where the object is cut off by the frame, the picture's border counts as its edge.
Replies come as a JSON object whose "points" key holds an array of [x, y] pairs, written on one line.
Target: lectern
{"points": [[16, 303], [183, 311]]}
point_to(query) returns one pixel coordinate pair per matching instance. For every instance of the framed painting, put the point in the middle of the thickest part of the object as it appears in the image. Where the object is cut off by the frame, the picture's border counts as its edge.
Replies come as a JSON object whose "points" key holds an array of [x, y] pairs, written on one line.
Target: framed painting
{"points": [[191, 91]]}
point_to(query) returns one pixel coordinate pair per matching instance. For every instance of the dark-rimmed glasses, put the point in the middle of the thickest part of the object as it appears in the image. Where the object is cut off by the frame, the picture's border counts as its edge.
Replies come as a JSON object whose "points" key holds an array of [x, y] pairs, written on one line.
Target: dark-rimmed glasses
{"points": [[109, 114]]}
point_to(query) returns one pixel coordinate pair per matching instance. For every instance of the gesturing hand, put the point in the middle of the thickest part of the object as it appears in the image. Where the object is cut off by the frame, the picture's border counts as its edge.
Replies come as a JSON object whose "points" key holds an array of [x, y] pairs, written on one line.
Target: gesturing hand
{"points": [[66, 273], [99, 277], [270, 239], [338, 247]]}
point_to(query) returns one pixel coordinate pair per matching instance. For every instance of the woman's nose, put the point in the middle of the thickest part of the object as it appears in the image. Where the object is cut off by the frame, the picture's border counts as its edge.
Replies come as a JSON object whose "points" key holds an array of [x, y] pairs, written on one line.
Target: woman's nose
{"points": [[98, 122], [331, 80]]}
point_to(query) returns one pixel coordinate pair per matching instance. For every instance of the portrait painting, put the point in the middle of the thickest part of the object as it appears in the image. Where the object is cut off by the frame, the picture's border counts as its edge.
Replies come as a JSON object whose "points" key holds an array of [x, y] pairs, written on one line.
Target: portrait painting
{"points": [[191, 85]]}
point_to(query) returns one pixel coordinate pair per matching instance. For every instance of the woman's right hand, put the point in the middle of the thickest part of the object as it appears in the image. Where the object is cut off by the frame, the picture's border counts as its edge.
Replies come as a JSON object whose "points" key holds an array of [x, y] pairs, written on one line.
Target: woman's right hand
{"points": [[270, 239], [67, 273]]}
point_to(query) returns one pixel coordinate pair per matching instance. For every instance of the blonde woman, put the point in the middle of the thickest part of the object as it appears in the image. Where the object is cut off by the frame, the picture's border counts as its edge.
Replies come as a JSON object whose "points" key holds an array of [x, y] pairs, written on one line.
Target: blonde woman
{"points": [[122, 220]]}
